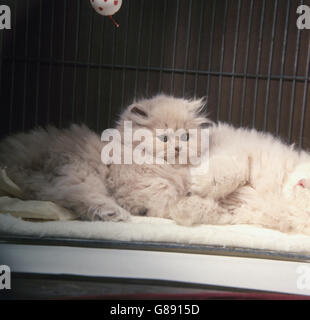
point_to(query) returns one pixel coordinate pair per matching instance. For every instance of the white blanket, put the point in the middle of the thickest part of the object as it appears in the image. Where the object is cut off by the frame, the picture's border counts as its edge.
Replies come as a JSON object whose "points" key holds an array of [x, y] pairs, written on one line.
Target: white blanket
{"points": [[137, 229], [161, 230], [11, 201]]}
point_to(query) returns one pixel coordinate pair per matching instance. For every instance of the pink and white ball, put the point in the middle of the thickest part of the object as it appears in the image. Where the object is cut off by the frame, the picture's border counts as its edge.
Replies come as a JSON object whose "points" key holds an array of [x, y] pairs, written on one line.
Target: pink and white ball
{"points": [[106, 7]]}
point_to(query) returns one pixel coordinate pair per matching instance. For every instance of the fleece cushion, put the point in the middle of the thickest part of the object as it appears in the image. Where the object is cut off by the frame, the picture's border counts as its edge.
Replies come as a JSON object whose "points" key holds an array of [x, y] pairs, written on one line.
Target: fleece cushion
{"points": [[13, 208], [11, 201], [161, 230]]}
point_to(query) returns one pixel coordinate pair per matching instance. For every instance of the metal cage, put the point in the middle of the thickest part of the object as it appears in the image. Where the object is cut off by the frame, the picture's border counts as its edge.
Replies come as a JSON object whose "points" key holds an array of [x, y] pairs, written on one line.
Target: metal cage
{"points": [[62, 62]]}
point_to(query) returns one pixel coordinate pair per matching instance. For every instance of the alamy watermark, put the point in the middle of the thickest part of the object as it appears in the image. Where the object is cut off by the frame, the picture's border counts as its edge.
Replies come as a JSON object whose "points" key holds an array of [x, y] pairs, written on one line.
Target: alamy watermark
{"points": [[303, 280], [5, 277], [160, 146], [5, 17], [303, 21]]}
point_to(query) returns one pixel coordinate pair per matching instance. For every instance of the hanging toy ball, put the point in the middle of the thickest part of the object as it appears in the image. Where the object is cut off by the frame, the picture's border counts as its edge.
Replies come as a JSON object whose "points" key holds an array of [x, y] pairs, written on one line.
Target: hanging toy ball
{"points": [[107, 8]]}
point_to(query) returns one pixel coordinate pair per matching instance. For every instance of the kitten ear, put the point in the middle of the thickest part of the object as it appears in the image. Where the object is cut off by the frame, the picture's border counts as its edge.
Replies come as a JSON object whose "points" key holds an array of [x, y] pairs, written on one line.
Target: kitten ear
{"points": [[138, 110], [137, 113], [198, 106]]}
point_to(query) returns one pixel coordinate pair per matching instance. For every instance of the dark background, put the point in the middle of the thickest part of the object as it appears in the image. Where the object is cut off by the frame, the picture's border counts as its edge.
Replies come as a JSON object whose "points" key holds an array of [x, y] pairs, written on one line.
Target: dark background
{"points": [[62, 62]]}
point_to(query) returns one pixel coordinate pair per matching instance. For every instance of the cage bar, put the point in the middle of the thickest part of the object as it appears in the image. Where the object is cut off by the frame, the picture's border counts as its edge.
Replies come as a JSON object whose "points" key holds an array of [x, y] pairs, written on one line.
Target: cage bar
{"points": [[174, 46], [11, 102], [188, 38], [150, 51], [76, 52], [99, 97], [258, 76], [40, 76], [199, 46], [234, 62], [63, 59], [125, 55], [111, 82], [162, 47], [282, 67], [38, 64], [245, 70], [259, 52], [26, 66], [210, 47], [139, 48], [219, 101], [290, 126], [304, 103], [90, 36], [50, 64], [275, 10]]}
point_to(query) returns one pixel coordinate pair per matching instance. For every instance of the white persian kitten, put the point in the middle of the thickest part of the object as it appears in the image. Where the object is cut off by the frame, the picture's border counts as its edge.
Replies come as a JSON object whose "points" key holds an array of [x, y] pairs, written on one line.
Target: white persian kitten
{"points": [[250, 178], [257, 178], [154, 189], [63, 166]]}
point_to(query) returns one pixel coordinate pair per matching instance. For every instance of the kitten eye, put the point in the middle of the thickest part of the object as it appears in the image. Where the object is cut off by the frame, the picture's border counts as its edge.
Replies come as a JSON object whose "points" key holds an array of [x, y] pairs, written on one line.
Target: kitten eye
{"points": [[163, 138], [184, 137]]}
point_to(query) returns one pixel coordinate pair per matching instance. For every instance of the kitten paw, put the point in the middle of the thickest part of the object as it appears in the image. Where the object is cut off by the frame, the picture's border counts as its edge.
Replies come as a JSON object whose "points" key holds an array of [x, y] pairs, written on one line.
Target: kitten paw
{"points": [[107, 213]]}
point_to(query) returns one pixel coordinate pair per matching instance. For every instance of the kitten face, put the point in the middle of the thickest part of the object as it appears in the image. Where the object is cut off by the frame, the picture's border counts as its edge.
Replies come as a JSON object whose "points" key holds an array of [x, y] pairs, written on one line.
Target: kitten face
{"points": [[174, 128]]}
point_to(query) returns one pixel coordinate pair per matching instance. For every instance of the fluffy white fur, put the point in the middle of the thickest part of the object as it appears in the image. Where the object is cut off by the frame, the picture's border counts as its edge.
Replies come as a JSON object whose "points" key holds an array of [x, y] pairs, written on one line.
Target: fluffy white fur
{"points": [[252, 177], [255, 177], [63, 166], [153, 189]]}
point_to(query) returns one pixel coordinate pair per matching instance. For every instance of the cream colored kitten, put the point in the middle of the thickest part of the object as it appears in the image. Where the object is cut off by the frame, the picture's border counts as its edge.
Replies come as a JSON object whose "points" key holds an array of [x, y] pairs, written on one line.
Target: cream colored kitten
{"points": [[157, 189], [63, 166], [246, 180], [256, 178]]}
